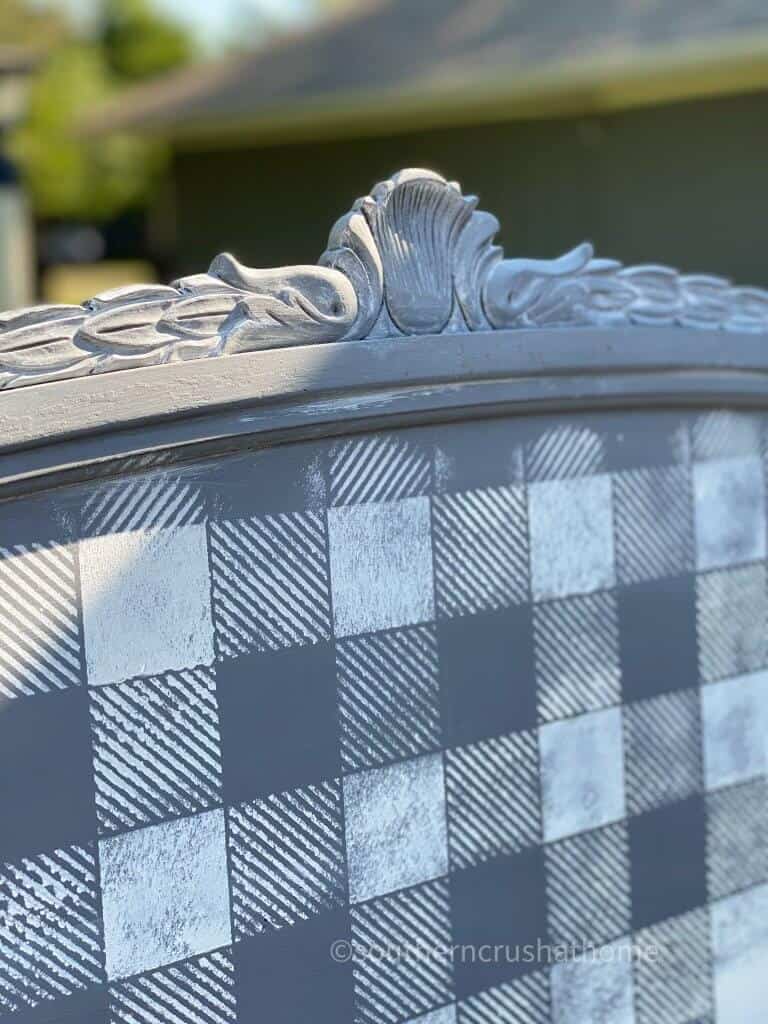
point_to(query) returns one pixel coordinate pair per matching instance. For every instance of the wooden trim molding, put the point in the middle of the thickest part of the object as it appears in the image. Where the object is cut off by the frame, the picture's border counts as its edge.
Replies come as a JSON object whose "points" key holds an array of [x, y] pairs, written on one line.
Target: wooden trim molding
{"points": [[414, 257], [411, 312]]}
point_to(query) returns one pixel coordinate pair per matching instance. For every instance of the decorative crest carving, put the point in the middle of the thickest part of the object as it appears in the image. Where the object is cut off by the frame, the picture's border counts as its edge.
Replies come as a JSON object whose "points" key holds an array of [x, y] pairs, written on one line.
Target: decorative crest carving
{"points": [[413, 257]]}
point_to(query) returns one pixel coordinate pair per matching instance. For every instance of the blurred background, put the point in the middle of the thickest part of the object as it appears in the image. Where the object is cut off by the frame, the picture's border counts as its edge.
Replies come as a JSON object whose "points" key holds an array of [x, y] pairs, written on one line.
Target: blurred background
{"points": [[138, 138]]}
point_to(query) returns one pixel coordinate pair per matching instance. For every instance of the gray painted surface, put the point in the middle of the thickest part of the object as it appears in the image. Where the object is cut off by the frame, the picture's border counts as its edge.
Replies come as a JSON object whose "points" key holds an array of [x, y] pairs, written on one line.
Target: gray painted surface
{"points": [[372, 688], [213, 405]]}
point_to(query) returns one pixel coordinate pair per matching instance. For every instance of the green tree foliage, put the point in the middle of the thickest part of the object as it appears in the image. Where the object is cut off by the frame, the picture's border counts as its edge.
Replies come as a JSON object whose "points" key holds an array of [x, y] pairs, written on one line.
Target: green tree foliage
{"points": [[69, 175], [140, 44]]}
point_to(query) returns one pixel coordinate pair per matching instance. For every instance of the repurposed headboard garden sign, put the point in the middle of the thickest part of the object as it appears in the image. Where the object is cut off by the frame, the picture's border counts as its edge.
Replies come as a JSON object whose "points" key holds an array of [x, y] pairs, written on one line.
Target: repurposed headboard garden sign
{"points": [[386, 641]]}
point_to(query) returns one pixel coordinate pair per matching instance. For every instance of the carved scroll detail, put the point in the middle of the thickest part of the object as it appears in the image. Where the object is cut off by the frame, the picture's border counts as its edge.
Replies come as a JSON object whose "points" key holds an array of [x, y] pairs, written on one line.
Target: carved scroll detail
{"points": [[413, 257], [577, 290]]}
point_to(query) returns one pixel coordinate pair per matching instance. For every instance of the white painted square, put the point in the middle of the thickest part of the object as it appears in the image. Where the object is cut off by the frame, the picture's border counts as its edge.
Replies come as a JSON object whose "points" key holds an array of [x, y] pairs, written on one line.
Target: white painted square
{"points": [[729, 507], [734, 715], [582, 773], [395, 827], [165, 894], [571, 525], [381, 566], [740, 952], [596, 988], [146, 603]]}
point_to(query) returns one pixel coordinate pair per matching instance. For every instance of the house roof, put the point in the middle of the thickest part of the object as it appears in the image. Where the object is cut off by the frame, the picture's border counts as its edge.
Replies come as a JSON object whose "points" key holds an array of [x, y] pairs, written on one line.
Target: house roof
{"points": [[416, 62]]}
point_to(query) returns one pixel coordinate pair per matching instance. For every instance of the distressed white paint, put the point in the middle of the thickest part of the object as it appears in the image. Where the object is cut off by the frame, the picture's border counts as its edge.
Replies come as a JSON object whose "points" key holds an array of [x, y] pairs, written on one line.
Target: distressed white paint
{"points": [[729, 512], [582, 773], [381, 565], [146, 603], [571, 527], [596, 989], [395, 826], [165, 893], [734, 716], [740, 953]]}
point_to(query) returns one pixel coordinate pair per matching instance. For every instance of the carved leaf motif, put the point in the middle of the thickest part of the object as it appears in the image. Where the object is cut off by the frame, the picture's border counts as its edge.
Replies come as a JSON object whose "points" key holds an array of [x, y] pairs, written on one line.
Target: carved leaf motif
{"points": [[473, 259], [230, 309], [528, 293], [352, 251], [705, 301], [36, 344], [606, 297], [413, 257], [750, 310], [416, 219], [655, 294], [264, 321], [290, 306]]}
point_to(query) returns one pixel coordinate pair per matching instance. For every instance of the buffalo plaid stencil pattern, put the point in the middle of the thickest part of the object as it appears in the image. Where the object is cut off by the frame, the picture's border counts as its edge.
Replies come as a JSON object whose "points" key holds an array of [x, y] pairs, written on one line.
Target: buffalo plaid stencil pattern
{"points": [[494, 684]]}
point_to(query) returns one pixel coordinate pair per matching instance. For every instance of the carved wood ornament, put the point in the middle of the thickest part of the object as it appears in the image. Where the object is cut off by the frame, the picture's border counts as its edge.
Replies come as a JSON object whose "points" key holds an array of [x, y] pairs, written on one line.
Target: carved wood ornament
{"points": [[413, 257]]}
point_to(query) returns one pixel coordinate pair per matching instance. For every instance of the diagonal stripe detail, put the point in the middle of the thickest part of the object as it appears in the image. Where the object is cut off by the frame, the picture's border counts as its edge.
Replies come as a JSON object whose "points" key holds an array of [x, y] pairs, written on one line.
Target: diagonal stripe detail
{"points": [[732, 621], [270, 582], [409, 978], [287, 858], [389, 697], [480, 544], [564, 451], [576, 643], [156, 748], [588, 886], [50, 933], [676, 985], [653, 515], [523, 1001], [198, 991], [737, 838], [493, 798], [144, 502], [40, 647], [378, 468], [662, 750], [722, 433]]}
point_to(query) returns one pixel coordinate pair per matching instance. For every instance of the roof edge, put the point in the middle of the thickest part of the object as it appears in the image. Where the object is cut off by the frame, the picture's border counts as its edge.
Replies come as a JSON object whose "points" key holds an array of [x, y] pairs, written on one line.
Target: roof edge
{"points": [[587, 86]]}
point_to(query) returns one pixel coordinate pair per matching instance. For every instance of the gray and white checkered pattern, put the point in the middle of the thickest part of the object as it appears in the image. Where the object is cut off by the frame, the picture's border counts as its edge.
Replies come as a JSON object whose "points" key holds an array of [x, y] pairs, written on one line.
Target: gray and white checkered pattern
{"points": [[407, 690]]}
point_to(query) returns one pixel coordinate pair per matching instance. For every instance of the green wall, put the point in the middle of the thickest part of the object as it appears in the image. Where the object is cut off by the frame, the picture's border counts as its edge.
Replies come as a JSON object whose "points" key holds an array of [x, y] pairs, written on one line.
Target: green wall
{"points": [[684, 184]]}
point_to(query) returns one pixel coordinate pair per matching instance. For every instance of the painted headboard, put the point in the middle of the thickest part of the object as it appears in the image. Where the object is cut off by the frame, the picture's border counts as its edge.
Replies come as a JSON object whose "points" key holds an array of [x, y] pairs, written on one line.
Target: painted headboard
{"points": [[386, 641]]}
